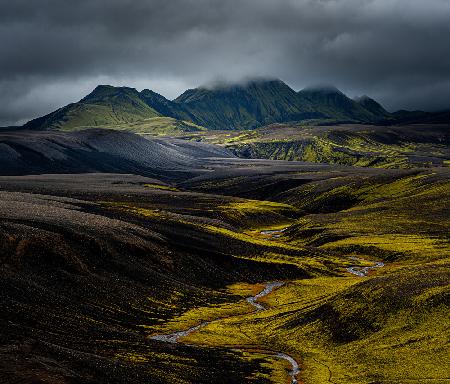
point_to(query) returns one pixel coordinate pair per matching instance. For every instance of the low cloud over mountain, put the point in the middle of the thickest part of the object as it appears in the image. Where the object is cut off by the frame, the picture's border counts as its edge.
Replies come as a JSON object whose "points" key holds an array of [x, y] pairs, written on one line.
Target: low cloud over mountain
{"points": [[54, 52]]}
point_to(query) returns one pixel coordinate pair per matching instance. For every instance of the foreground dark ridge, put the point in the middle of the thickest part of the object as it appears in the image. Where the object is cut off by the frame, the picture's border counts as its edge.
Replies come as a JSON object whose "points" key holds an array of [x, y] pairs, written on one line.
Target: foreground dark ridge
{"points": [[95, 280]]}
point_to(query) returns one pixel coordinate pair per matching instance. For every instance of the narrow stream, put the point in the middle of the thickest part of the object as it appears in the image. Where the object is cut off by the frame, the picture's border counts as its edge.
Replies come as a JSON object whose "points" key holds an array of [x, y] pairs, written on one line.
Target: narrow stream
{"points": [[253, 300], [364, 271], [269, 287], [173, 337], [295, 368], [274, 233]]}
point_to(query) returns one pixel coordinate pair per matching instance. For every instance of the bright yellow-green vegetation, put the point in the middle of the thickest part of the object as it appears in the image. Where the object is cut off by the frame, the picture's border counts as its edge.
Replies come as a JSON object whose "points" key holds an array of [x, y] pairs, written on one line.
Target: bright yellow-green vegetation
{"points": [[413, 245], [257, 213], [242, 208], [402, 219], [277, 367], [212, 312], [160, 186], [249, 239], [133, 209], [155, 126], [79, 116]]}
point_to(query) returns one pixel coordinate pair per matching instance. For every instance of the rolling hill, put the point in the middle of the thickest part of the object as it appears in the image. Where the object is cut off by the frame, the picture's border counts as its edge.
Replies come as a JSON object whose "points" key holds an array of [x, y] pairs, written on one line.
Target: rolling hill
{"points": [[362, 145], [373, 106]]}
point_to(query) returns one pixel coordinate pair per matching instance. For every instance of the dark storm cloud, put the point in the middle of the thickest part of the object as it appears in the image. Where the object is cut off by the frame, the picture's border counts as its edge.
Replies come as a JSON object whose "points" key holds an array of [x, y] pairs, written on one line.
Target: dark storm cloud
{"points": [[54, 51]]}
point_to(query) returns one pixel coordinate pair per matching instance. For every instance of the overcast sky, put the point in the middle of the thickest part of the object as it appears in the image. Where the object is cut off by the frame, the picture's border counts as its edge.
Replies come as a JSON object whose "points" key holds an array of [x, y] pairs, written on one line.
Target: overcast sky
{"points": [[54, 52]]}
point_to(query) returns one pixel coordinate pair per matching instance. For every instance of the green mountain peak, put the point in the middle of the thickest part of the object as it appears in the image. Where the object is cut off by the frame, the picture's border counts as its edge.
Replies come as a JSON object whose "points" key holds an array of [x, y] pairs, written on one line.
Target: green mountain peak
{"points": [[105, 106]]}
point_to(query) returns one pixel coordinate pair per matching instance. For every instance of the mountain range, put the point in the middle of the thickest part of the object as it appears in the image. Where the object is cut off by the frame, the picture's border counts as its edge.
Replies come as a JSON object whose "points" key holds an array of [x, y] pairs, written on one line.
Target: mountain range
{"points": [[225, 107]]}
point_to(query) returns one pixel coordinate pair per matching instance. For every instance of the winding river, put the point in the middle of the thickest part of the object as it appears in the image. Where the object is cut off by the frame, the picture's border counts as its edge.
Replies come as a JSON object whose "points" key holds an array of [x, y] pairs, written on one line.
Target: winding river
{"points": [[252, 300]]}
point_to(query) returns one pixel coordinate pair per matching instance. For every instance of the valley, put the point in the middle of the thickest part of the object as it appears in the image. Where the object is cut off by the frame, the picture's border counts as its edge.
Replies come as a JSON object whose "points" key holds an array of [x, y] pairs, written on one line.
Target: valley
{"points": [[98, 267]]}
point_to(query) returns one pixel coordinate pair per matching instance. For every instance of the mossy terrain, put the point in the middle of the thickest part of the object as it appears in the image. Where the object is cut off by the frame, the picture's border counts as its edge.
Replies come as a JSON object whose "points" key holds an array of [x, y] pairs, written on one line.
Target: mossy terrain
{"points": [[161, 186], [105, 106], [347, 331], [344, 329], [405, 218], [356, 145]]}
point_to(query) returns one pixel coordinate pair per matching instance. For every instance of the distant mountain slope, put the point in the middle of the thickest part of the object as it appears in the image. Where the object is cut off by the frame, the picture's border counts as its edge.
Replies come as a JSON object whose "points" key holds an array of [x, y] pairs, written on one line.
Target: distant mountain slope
{"points": [[239, 106], [155, 126], [373, 106], [421, 117], [164, 106], [335, 105], [99, 150], [105, 106]]}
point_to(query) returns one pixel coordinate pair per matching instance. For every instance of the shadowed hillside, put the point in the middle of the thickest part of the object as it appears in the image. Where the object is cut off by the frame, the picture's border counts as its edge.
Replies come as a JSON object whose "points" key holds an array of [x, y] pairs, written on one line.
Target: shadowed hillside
{"points": [[246, 106], [98, 150]]}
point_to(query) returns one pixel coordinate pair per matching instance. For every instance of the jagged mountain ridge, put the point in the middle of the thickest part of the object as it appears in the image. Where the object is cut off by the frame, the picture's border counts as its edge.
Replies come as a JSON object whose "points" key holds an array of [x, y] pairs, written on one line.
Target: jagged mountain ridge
{"points": [[239, 106]]}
